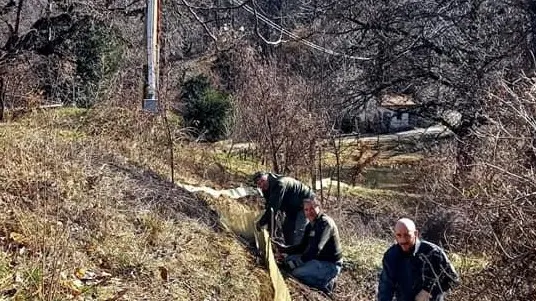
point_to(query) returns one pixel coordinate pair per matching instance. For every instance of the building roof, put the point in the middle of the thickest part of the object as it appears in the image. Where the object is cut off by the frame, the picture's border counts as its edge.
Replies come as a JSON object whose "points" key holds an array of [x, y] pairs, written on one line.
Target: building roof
{"points": [[396, 100]]}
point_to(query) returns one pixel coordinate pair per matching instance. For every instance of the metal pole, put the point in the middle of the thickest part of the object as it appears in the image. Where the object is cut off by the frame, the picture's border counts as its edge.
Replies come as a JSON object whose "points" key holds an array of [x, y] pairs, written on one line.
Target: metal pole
{"points": [[150, 100]]}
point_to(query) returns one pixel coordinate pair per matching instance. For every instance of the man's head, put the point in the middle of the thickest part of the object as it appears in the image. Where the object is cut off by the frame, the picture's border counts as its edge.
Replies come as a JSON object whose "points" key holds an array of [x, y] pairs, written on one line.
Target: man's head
{"points": [[311, 207], [406, 234], [260, 179]]}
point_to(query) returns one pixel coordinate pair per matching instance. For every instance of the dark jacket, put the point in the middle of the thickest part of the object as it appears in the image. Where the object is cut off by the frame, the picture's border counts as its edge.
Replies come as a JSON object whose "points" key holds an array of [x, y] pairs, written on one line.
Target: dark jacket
{"points": [[285, 194], [320, 241], [404, 275]]}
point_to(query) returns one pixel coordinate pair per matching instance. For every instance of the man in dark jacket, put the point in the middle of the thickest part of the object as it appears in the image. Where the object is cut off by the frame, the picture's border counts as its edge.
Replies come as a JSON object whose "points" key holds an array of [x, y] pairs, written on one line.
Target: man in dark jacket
{"points": [[317, 259], [414, 269], [284, 194]]}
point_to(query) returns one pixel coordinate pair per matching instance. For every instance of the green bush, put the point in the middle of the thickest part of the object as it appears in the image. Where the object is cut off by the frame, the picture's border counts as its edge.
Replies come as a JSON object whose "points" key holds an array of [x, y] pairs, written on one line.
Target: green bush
{"points": [[206, 109], [98, 51]]}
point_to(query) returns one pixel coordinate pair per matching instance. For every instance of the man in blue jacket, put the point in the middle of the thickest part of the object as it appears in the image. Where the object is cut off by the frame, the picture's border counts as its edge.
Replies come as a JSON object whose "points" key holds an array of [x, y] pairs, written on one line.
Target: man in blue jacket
{"points": [[414, 269]]}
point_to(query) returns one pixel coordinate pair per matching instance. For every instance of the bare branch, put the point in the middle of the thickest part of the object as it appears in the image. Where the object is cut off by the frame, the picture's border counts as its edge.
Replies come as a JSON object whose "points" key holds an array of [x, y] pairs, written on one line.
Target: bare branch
{"points": [[204, 24]]}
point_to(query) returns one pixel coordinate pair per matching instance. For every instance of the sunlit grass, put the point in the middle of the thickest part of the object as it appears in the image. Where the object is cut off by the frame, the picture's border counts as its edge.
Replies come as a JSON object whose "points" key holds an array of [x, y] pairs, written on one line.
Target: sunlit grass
{"points": [[467, 264], [88, 190], [366, 253]]}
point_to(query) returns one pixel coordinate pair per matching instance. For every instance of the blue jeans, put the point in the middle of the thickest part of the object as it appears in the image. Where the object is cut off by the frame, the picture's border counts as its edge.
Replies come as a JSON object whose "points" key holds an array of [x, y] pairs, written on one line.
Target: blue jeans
{"points": [[316, 273]]}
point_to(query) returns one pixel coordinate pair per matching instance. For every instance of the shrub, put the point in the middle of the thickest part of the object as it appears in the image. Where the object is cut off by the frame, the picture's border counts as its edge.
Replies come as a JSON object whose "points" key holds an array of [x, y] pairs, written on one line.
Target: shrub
{"points": [[98, 50], [205, 108]]}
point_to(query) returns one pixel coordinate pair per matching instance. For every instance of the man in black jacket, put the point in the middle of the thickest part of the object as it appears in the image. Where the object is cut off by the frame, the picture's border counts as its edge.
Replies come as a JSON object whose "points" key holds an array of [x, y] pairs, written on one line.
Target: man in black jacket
{"points": [[414, 269], [284, 194], [317, 259]]}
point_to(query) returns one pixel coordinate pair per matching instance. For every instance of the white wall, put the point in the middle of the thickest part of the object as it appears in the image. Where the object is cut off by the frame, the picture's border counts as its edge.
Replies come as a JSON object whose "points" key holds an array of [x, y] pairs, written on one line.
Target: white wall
{"points": [[399, 120], [373, 114]]}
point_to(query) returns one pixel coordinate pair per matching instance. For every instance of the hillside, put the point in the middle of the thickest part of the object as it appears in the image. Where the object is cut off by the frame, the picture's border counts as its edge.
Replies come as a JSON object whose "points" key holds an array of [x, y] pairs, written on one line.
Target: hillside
{"points": [[89, 213], [92, 204], [90, 191], [84, 216]]}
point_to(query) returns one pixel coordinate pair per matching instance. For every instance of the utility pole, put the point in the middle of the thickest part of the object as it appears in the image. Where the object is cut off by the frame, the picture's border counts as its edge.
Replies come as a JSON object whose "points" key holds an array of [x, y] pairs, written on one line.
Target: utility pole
{"points": [[150, 101]]}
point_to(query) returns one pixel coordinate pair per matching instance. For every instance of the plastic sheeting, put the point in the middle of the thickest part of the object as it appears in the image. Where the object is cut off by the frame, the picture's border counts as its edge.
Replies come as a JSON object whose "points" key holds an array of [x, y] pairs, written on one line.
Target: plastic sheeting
{"points": [[241, 221]]}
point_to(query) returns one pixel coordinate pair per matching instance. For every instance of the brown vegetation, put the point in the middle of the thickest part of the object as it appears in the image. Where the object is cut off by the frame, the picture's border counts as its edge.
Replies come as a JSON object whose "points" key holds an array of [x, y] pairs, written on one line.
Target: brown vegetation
{"points": [[89, 190], [85, 215], [491, 213]]}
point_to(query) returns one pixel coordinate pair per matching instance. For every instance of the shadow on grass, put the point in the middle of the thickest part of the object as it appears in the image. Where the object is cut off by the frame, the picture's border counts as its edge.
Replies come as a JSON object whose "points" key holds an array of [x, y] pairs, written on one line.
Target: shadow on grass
{"points": [[171, 201]]}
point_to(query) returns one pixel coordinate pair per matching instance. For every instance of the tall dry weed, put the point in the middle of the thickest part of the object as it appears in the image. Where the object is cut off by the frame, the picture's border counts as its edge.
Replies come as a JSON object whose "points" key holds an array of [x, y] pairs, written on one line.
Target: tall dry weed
{"points": [[492, 211]]}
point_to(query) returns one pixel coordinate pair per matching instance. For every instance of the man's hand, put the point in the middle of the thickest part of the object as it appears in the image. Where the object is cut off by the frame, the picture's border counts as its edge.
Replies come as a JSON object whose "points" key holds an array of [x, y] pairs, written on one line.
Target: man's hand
{"points": [[279, 257], [423, 296]]}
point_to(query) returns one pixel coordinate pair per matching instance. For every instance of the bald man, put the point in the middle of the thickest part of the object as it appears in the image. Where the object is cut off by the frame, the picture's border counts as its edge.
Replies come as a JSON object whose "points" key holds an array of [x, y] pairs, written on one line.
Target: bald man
{"points": [[414, 269]]}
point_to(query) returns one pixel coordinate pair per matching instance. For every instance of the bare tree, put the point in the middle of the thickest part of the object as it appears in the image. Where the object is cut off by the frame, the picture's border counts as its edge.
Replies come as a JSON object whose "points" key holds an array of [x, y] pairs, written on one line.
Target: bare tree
{"points": [[443, 55], [272, 111], [495, 209]]}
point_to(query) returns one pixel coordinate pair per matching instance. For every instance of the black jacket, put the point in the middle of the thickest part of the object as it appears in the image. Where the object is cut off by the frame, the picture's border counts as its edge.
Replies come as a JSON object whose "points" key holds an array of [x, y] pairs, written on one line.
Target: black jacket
{"points": [[284, 194], [404, 275], [320, 241]]}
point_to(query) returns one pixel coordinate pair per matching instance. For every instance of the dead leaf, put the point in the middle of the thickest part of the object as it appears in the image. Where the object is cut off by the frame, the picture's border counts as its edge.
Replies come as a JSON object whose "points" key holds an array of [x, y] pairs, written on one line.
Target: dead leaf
{"points": [[17, 238], [75, 286], [18, 278], [104, 275], [79, 273], [164, 274], [84, 274], [119, 294]]}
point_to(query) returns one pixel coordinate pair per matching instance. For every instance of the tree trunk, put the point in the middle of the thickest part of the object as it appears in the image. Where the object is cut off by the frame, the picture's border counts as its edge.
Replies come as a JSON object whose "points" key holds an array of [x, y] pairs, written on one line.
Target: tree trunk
{"points": [[17, 21], [320, 174], [532, 34], [312, 169], [2, 94], [464, 160], [337, 148]]}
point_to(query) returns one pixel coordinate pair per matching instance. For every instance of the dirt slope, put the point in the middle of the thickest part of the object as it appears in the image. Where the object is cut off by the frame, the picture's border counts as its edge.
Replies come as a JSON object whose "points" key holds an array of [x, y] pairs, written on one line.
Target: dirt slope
{"points": [[83, 217]]}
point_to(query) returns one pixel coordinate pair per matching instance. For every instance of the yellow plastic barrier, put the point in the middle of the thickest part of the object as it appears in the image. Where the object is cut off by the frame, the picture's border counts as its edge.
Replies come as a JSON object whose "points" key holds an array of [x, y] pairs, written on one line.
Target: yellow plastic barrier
{"points": [[280, 286], [241, 221]]}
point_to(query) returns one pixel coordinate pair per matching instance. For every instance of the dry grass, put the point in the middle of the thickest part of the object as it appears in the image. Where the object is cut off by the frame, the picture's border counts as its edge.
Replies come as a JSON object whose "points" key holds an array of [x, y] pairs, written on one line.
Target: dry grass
{"points": [[91, 190], [83, 190]]}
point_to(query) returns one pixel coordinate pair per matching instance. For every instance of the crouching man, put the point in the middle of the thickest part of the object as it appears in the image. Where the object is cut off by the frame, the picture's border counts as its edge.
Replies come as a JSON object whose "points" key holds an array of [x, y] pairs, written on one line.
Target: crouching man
{"points": [[317, 259], [414, 269]]}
